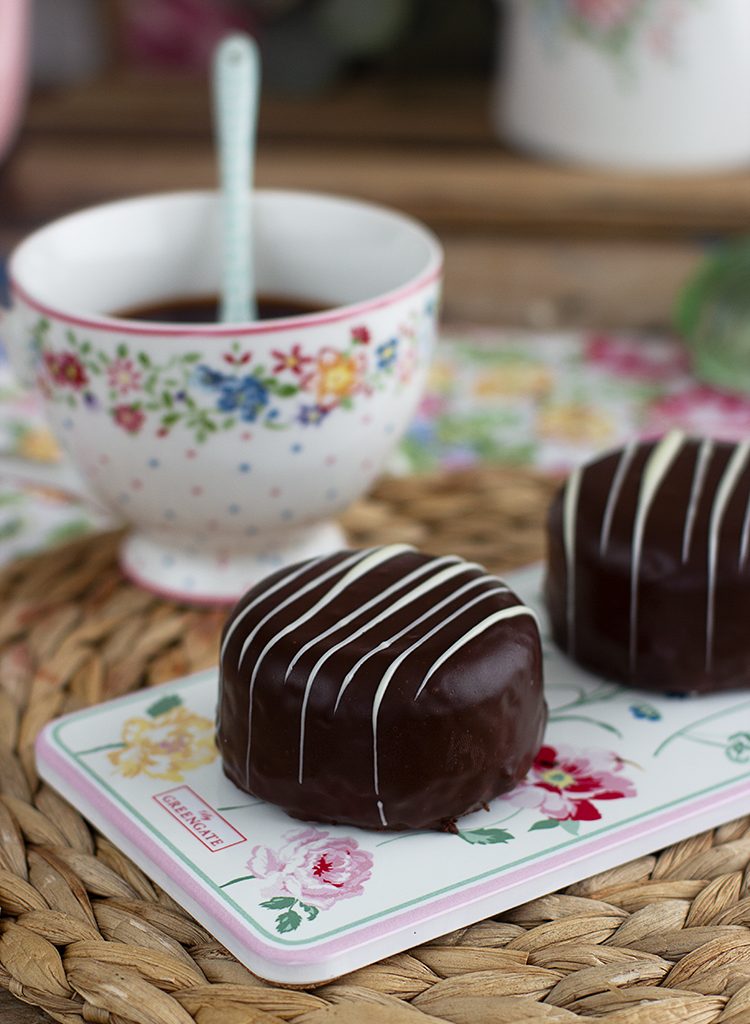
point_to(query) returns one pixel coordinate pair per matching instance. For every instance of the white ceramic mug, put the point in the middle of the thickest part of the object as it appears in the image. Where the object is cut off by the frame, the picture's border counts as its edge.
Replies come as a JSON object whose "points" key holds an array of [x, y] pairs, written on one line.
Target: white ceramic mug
{"points": [[653, 85], [229, 448]]}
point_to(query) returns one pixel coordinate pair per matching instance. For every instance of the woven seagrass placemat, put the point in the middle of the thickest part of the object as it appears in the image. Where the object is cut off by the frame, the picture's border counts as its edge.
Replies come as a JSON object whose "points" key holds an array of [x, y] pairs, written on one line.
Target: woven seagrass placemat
{"points": [[87, 937]]}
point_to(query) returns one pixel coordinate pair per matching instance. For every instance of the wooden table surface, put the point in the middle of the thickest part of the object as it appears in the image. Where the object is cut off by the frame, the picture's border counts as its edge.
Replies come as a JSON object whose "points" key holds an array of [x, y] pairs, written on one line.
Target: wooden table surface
{"points": [[525, 243]]}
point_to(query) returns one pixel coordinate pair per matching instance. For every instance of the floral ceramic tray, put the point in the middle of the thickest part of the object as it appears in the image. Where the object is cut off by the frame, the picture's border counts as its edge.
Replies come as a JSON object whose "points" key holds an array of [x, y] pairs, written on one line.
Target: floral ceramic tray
{"points": [[622, 773]]}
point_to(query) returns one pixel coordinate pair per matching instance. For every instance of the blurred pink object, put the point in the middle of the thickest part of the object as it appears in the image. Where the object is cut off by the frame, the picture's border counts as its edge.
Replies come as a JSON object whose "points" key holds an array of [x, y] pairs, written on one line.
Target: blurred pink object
{"points": [[661, 360], [178, 33], [701, 410], [604, 14], [14, 38]]}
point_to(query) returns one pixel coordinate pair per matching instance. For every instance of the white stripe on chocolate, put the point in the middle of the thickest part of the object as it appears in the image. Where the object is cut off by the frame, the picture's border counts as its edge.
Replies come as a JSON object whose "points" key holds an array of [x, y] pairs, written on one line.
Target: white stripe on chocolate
{"points": [[623, 466], [338, 569], [361, 567], [354, 560], [392, 668], [443, 576], [657, 466], [699, 476], [412, 625], [481, 627], [733, 472], [570, 522], [745, 538], [311, 585], [394, 588], [278, 585]]}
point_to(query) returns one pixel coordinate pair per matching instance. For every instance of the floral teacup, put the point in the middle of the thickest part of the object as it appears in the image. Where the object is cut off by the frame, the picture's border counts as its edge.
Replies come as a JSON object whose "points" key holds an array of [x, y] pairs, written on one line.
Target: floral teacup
{"points": [[229, 448]]}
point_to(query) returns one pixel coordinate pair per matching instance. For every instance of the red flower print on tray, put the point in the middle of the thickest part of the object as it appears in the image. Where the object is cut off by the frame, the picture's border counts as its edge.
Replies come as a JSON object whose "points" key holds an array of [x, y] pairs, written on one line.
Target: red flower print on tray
{"points": [[311, 872], [565, 784]]}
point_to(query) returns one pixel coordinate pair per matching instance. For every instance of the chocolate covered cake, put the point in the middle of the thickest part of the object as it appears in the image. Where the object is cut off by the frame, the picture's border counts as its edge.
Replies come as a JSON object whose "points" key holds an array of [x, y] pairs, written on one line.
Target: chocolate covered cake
{"points": [[383, 688], [648, 577]]}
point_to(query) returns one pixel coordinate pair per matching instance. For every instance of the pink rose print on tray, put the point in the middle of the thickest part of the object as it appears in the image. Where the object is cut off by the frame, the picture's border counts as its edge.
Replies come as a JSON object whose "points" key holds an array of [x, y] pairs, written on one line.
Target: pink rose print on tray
{"points": [[700, 410], [652, 361], [310, 873], [565, 785]]}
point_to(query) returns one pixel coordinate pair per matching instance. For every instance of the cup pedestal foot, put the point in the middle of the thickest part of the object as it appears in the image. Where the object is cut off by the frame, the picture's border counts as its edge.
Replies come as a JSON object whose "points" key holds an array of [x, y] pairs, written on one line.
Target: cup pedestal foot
{"points": [[200, 574]]}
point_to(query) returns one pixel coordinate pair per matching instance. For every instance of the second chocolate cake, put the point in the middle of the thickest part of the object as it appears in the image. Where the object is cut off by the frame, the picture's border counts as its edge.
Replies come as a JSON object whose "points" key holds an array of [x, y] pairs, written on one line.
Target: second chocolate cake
{"points": [[648, 576], [383, 688]]}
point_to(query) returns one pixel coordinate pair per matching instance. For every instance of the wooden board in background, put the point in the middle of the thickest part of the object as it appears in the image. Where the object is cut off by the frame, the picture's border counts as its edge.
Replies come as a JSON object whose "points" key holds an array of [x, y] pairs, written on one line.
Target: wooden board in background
{"points": [[425, 146]]}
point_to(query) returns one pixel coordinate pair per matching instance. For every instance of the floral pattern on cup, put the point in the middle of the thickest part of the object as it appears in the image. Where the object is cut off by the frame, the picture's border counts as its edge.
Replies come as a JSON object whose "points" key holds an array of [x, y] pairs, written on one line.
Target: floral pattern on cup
{"points": [[618, 27], [298, 387], [310, 873], [167, 744]]}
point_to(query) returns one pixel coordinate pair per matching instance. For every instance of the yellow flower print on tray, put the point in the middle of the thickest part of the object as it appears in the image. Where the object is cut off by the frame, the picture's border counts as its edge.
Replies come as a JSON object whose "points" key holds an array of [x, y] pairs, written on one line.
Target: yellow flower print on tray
{"points": [[166, 744]]}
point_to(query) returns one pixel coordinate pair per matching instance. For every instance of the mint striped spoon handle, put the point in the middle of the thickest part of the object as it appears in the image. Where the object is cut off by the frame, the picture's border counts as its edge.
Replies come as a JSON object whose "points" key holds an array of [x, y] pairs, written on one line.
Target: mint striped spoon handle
{"points": [[236, 88]]}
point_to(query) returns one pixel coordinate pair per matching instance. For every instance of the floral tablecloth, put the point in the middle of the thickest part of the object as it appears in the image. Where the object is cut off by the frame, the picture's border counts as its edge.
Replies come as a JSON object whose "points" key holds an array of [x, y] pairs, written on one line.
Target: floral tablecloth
{"points": [[549, 401]]}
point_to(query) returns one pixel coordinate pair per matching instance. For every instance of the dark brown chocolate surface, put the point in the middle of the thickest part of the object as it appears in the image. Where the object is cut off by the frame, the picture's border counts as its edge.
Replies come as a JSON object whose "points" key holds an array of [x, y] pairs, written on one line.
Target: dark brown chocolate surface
{"points": [[394, 714], [676, 616]]}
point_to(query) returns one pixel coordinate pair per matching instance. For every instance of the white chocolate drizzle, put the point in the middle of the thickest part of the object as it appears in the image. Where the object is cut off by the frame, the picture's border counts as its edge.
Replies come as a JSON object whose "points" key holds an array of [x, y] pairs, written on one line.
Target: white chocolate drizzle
{"points": [[657, 466], [357, 564], [731, 475], [440, 577], [745, 538], [614, 493], [373, 602], [702, 461], [388, 675], [248, 608], [385, 644], [570, 523], [278, 585], [481, 627]]}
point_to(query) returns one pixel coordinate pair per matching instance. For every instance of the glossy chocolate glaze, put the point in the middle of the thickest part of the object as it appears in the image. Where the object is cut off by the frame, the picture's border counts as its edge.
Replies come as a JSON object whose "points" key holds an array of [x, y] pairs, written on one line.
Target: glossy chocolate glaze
{"points": [[673, 618], [408, 740]]}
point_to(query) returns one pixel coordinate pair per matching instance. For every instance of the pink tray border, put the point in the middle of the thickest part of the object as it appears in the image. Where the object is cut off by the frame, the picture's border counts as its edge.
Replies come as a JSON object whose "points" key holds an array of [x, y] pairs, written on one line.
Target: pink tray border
{"points": [[49, 754]]}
